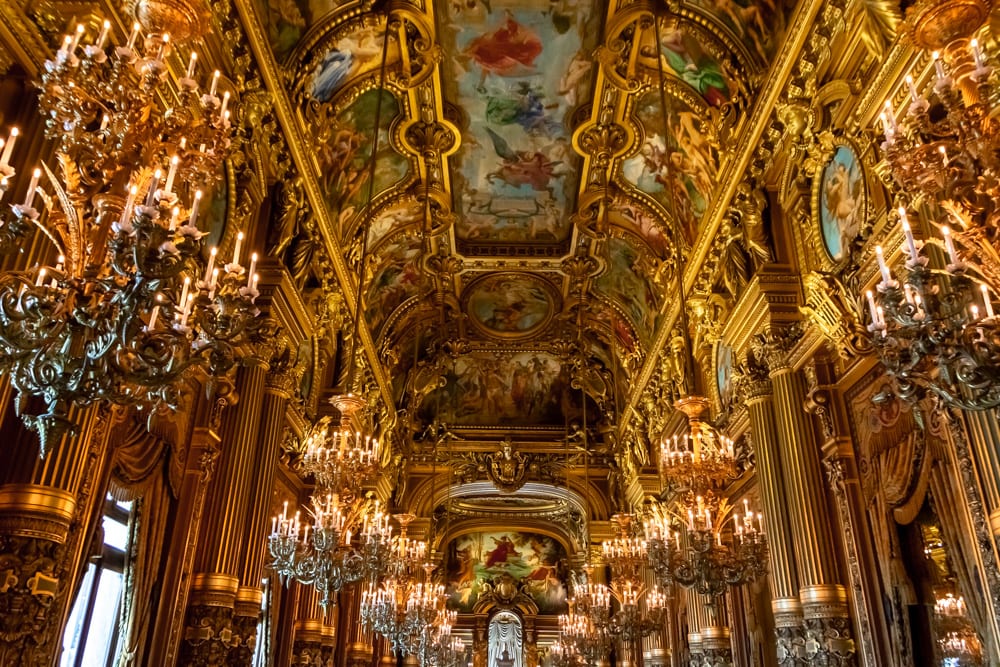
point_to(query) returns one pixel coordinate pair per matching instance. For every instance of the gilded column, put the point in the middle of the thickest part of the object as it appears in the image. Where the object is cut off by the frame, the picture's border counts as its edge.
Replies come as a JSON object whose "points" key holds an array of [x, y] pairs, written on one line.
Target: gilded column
{"points": [[215, 589], [246, 614], [307, 647], [984, 439], [824, 600], [716, 643], [757, 393], [47, 515]]}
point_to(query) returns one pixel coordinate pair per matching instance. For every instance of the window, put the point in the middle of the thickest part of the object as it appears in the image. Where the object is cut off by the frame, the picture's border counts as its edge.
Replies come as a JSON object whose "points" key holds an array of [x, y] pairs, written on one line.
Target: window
{"points": [[91, 635]]}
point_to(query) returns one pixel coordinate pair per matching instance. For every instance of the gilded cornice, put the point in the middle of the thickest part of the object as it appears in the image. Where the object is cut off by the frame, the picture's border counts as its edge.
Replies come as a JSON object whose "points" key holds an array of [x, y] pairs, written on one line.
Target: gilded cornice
{"points": [[275, 83], [22, 40]]}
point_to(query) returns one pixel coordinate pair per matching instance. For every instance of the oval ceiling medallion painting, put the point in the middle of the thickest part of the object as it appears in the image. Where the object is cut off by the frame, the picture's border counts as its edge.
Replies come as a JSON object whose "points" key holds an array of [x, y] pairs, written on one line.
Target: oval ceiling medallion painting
{"points": [[510, 305]]}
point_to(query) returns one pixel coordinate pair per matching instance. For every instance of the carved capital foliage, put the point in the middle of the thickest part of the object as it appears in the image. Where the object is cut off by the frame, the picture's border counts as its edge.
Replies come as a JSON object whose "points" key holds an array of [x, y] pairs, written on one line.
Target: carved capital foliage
{"points": [[603, 141], [791, 645], [430, 139], [31, 581], [773, 346], [752, 380]]}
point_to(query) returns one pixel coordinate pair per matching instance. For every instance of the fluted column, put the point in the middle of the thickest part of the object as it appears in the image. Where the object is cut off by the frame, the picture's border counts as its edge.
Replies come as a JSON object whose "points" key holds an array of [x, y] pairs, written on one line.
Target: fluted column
{"points": [[47, 512], [696, 619], [824, 600], [716, 643], [307, 648], [277, 391], [215, 588], [757, 393], [984, 440]]}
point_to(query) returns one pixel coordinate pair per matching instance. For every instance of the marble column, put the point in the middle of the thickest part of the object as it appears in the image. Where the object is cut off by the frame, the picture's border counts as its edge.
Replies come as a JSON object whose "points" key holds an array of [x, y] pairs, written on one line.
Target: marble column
{"points": [[48, 510], [757, 393], [825, 614]]}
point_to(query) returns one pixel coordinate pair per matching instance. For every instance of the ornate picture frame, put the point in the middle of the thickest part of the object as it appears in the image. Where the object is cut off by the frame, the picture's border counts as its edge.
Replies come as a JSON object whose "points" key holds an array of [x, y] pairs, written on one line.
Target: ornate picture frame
{"points": [[841, 202]]}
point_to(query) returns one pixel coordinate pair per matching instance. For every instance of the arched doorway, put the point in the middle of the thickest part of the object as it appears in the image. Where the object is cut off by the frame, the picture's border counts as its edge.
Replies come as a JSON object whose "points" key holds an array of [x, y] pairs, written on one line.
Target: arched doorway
{"points": [[506, 640]]}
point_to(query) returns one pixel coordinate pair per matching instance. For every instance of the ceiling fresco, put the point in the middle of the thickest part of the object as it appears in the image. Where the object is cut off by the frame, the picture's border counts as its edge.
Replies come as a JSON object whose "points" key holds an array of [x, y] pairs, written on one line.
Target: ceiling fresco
{"points": [[516, 69], [562, 194]]}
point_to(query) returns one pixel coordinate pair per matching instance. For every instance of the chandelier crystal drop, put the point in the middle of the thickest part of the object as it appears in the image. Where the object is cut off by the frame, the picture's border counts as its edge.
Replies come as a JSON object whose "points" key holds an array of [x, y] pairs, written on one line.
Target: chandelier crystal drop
{"points": [[935, 330], [129, 305]]}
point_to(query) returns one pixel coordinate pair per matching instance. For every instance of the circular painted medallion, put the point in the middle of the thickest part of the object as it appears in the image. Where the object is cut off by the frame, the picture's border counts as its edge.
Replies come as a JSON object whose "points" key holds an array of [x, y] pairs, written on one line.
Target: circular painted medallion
{"points": [[510, 305]]}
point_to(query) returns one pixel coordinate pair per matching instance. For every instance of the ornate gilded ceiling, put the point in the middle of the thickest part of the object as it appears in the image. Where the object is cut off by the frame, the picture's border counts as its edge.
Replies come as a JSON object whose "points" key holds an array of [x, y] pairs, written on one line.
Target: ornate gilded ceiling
{"points": [[533, 185]]}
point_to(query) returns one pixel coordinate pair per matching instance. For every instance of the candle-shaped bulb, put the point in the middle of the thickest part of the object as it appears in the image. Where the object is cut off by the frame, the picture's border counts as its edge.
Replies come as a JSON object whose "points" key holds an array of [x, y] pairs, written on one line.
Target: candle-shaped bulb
{"points": [[32, 186], [76, 37], [194, 208], [250, 274], [168, 186], [103, 36], [136, 27], [225, 103], [944, 154], [977, 55], [880, 257], [911, 245], [8, 147], [986, 300], [191, 63], [938, 66], [913, 88], [236, 250], [153, 184], [949, 245], [215, 82]]}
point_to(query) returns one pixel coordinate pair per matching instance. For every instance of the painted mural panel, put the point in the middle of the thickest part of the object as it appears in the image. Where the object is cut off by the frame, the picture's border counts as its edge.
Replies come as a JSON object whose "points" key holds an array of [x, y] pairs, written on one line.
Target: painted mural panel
{"points": [[517, 69], [286, 21], [396, 278], [488, 388], [625, 283], [344, 154], [509, 305], [681, 159], [536, 560], [759, 25], [841, 202], [687, 58]]}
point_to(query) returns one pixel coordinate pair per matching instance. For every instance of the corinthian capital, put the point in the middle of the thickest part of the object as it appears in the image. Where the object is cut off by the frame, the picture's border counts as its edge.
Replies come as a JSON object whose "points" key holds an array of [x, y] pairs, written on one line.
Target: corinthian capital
{"points": [[772, 346]]}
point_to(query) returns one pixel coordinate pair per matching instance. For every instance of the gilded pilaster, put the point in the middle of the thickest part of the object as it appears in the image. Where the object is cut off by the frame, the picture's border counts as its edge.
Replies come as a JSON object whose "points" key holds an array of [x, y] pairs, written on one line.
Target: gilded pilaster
{"points": [[824, 601], [46, 524], [758, 395]]}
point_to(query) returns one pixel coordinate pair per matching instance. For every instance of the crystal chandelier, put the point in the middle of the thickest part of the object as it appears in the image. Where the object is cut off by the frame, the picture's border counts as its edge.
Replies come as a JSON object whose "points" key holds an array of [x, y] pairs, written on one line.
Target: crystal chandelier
{"points": [[129, 305], [410, 611], [600, 615], [701, 560], [689, 550], [936, 333], [324, 553], [340, 459]]}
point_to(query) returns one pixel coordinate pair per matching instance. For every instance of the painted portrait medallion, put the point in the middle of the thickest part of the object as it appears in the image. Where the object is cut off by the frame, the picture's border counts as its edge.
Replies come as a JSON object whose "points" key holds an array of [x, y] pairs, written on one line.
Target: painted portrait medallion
{"points": [[724, 373], [841, 202], [510, 305]]}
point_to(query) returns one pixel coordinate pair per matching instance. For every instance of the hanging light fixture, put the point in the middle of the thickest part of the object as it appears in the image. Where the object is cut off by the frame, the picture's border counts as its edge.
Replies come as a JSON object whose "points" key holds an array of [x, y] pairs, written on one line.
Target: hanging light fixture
{"points": [[129, 306], [696, 467], [351, 540], [935, 330]]}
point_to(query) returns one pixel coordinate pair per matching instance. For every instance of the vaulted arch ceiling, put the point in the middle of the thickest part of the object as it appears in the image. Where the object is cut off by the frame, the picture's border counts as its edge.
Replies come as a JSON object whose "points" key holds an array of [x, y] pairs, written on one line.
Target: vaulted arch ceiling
{"points": [[534, 187]]}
